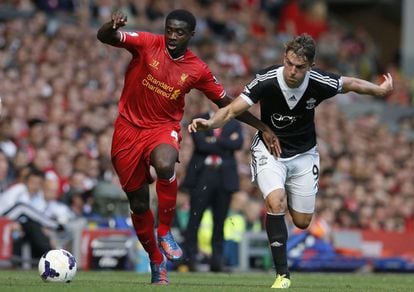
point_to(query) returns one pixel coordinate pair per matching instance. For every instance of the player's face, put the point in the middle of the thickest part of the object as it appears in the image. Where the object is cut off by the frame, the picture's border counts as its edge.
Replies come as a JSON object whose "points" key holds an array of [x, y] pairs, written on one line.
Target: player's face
{"points": [[295, 69], [177, 36]]}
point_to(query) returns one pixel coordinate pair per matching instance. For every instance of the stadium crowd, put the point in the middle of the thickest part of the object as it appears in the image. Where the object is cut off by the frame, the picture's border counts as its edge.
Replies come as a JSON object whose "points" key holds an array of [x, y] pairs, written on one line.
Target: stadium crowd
{"points": [[59, 88]]}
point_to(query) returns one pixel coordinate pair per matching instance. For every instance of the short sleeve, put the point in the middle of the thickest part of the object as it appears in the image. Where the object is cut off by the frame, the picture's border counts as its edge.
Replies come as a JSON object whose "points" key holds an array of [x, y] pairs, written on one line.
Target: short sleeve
{"points": [[252, 91], [133, 41], [209, 85]]}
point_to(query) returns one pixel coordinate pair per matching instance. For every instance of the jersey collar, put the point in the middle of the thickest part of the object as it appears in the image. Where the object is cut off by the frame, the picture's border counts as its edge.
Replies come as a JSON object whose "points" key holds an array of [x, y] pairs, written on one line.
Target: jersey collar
{"points": [[176, 59], [292, 95]]}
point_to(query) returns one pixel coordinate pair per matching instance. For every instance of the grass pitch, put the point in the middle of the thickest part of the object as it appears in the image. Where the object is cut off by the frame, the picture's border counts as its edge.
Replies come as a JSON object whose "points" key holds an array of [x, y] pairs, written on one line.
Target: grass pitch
{"points": [[21, 280]]}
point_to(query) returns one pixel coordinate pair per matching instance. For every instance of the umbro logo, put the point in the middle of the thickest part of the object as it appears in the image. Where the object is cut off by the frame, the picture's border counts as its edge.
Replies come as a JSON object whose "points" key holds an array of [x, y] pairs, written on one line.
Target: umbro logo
{"points": [[276, 244], [262, 160]]}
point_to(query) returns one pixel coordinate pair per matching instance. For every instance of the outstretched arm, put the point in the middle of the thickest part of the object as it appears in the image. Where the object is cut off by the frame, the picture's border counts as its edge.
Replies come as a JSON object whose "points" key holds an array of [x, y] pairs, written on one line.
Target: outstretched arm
{"points": [[245, 116], [237, 108], [221, 117], [365, 87], [108, 33]]}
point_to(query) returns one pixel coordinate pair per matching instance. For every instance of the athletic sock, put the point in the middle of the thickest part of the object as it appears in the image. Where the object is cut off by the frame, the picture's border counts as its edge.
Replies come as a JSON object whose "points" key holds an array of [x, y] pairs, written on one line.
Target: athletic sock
{"points": [[167, 197], [277, 234], [144, 229]]}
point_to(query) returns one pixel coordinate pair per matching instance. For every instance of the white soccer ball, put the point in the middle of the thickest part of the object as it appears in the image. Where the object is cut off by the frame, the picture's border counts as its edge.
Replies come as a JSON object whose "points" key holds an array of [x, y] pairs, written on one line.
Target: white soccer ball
{"points": [[57, 265]]}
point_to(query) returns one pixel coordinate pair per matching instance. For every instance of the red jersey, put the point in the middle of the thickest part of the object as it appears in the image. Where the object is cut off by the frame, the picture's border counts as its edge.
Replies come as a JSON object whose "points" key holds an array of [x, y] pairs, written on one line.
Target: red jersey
{"points": [[155, 83]]}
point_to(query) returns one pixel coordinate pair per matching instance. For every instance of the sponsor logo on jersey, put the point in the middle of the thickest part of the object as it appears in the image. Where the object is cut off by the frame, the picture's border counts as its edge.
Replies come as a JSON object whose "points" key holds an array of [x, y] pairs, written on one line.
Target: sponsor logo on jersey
{"points": [[310, 103], [176, 93], [280, 122], [161, 87]]}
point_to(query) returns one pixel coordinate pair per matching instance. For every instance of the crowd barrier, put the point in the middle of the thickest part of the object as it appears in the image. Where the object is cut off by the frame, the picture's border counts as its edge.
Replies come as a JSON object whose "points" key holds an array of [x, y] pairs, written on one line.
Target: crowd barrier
{"points": [[345, 250]]}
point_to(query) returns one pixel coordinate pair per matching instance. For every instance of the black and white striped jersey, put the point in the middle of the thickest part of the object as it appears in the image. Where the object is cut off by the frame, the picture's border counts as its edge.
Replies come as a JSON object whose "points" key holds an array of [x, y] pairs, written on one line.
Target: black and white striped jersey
{"points": [[290, 111]]}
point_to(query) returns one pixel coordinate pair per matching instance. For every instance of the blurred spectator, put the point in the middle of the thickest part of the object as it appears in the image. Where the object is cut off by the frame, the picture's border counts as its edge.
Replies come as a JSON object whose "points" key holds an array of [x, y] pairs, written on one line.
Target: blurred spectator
{"points": [[24, 203], [234, 227], [182, 212], [254, 213], [6, 173], [297, 17], [211, 179], [55, 5]]}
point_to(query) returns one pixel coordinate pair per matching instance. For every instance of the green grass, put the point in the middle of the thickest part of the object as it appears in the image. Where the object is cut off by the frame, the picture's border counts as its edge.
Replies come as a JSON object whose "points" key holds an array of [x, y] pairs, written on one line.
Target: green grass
{"points": [[20, 280]]}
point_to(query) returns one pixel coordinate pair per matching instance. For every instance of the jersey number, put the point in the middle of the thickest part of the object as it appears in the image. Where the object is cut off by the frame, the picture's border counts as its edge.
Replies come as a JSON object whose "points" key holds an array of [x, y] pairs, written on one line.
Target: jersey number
{"points": [[315, 171]]}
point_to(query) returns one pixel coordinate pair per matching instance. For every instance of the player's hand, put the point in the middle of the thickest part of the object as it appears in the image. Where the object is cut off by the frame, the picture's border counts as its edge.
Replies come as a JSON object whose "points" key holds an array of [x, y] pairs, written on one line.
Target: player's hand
{"points": [[119, 19], [387, 85], [199, 124], [272, 142]]}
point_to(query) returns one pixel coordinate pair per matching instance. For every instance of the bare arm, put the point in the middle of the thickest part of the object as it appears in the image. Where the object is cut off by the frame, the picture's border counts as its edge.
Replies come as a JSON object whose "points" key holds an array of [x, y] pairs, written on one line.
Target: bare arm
{"points": [[108, 33], [365, 87], [269, 137], [237, 108], [221, 117], [245, 116]]}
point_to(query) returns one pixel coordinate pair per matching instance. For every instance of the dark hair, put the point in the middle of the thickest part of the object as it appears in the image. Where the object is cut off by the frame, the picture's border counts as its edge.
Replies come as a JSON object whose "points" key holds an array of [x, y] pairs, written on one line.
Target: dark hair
{"points": [[34, 122], [31, 170], [303, 46], [183, 15]]}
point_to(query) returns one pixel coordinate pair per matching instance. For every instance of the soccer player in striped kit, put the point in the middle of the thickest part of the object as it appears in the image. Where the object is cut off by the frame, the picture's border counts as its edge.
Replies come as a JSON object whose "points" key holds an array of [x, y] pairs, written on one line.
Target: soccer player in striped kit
{"points": [[288, 95], [147, 131]]}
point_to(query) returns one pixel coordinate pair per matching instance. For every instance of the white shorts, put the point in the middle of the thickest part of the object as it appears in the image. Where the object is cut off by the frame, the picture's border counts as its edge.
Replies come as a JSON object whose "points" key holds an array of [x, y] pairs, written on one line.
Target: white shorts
{"points": [[298, 175]]}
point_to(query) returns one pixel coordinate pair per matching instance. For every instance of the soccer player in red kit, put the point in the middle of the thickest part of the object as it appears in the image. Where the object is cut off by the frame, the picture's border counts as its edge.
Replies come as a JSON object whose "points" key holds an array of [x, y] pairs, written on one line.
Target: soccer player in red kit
{"points": [[147, 130]]}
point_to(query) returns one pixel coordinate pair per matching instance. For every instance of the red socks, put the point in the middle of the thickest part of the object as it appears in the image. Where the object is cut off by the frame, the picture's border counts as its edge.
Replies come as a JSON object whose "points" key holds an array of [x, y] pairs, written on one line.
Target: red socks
{"points": [[144, 229], [167, 197]]}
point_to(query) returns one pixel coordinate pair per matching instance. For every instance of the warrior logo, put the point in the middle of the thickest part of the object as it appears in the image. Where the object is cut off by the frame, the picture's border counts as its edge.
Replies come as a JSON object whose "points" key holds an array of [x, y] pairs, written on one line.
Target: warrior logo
{"points": [[154, 64]]}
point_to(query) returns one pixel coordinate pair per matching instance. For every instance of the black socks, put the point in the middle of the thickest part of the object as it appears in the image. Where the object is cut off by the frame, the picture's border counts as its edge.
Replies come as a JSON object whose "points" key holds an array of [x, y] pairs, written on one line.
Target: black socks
{"points": [[277, 234]]}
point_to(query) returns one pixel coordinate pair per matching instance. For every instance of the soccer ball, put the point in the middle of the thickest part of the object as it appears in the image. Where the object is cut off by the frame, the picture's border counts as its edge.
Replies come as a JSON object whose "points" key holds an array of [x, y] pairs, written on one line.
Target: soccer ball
{"points": [[57, 265]]}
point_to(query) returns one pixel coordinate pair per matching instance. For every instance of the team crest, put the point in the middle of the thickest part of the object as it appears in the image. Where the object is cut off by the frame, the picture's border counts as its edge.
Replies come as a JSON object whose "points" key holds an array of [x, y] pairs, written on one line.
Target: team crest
{"points": [[183, 78], [310, 103]]}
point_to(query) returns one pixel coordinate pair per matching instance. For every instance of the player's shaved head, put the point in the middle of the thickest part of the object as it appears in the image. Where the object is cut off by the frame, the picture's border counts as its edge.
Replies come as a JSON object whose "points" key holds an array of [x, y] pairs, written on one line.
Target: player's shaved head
{"points": [[303, 46], [183, 15]]}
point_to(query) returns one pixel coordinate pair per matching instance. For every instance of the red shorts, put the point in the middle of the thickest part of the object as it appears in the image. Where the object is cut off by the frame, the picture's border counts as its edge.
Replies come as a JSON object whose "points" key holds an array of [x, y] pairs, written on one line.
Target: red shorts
{"points": [[132, 147]]}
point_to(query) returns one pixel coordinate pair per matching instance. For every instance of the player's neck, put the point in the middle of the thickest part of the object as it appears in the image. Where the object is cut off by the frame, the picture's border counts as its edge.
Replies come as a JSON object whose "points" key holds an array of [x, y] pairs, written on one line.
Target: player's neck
{"points": [[176, 55]]}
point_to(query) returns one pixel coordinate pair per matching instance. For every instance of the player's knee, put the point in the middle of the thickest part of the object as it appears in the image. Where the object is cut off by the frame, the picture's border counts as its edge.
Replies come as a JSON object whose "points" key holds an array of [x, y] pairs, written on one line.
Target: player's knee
{"points": [[303, 222], [276, 204], [276, 209], [164, 169], [139, 207]]}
